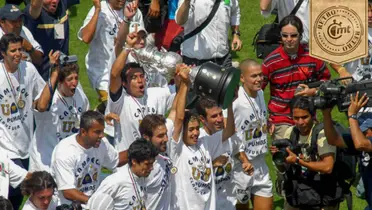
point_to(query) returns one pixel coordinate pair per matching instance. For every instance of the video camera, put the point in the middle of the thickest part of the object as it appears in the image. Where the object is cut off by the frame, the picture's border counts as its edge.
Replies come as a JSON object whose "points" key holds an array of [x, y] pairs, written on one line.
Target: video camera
{"points": [[66, 59], [334, 92], [280, 156]]}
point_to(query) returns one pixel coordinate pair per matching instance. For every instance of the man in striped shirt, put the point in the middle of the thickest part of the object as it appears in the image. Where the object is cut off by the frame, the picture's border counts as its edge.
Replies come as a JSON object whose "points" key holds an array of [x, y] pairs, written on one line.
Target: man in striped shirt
{"points": [[286, 68]]}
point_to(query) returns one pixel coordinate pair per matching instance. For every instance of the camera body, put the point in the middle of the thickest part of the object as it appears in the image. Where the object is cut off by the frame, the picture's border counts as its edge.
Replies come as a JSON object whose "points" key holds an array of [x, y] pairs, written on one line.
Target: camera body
{"points": [[334, 93], [280, 156], [66, 59]]}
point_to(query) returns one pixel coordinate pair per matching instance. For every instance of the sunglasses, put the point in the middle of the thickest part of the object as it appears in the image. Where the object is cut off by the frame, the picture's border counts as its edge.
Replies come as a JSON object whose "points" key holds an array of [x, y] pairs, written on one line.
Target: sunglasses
{"points": [[287, 35]]}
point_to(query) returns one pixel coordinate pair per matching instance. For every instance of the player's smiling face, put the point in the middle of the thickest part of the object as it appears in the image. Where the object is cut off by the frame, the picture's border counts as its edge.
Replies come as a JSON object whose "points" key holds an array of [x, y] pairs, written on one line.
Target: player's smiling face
{"points": [[141, 40], [13, 54], [160, 138], [191, 132], [214, 119], [136, 82]]}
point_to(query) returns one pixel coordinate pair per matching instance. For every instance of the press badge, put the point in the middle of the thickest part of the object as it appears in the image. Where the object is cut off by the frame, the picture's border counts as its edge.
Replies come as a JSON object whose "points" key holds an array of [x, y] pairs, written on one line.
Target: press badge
{"points": [[59, 31]]}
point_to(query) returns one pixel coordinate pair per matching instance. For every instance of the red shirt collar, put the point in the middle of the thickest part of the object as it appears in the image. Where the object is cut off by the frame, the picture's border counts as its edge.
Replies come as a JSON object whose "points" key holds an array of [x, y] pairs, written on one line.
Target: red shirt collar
{"points": [[301, 50]]}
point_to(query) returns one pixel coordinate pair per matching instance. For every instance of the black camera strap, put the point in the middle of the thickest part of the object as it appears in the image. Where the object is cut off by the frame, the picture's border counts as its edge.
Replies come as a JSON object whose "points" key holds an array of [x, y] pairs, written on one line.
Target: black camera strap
{"points": [[205, 23]]}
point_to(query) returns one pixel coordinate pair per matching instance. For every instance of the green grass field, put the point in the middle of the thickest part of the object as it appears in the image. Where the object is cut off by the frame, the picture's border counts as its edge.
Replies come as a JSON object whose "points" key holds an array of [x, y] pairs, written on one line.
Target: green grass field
{"points": [[251, 21]]}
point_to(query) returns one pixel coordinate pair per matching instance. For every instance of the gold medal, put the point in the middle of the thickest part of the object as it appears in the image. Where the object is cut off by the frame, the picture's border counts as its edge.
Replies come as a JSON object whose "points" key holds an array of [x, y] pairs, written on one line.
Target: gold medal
{"points": [[174, 170], [21, 104], [76, 121]]}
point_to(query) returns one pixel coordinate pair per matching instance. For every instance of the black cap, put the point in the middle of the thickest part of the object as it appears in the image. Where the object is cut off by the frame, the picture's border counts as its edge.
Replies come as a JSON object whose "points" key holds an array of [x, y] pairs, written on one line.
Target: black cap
{"points": [[10, 12]]}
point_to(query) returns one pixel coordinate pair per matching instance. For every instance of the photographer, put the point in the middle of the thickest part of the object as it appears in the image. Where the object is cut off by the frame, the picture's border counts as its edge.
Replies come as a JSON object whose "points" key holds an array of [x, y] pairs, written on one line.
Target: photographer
{"points": [[57, 110], [308, 164], [361, 133]]}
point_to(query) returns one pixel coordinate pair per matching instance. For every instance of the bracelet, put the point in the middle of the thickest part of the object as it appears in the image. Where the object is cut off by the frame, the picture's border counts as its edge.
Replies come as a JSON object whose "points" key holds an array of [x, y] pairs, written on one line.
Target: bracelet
{"points": [[297, 160], [128, 49], [50, 88]]}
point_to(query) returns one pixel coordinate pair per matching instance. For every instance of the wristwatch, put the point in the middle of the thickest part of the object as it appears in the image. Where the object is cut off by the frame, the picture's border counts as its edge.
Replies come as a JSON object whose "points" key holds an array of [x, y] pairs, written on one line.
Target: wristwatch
{"points": [[353, 116], [237, 32], [297, 160]]}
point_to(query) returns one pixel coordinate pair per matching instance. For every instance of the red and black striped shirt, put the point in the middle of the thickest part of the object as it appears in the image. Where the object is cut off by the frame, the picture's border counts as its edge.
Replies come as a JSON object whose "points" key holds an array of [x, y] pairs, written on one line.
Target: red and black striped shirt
{"points": [[284, 75]]}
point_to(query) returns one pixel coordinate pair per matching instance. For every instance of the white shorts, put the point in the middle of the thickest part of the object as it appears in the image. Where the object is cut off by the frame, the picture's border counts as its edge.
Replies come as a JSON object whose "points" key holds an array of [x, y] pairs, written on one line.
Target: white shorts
{"points": [[258, 184]]}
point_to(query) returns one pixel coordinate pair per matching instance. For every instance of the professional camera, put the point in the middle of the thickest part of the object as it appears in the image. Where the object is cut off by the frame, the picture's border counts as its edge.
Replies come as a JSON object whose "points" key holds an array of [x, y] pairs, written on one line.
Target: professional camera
{"points": [[334, 92], [66, 59], [280, 156]]}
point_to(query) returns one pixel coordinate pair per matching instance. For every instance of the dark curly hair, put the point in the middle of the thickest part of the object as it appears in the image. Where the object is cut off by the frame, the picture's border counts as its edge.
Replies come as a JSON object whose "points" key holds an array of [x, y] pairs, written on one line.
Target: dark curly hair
{"points": [[39, 180]]}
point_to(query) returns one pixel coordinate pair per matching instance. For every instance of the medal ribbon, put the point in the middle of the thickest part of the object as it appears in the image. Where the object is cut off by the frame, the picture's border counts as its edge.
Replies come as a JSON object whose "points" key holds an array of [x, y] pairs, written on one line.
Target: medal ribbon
{"points": [[67, 105], [11, 86], [134, 184], [139, 106], [255, 111], [116, 16]]}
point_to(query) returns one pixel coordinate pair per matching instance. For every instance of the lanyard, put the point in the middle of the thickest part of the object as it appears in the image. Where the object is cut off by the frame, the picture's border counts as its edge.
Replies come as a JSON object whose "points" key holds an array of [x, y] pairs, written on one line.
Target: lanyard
{"points": [[204, 159], [134, 184], [255, 111], [67, 105], [10, 83], [139, 106], [116, 16]]}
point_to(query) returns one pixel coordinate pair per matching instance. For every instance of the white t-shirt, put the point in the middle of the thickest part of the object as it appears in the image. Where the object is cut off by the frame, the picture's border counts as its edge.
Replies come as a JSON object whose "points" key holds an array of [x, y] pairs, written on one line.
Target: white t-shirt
{"points": [[131, 111], [16, 124], [101, 54], [26, 34], [286, 6], [158, 189], [30, 206], [251, 123], [361, 69], [75, 167], [121, 186], [193, 186], [212, 41], [55, 125], [10, 173], [223, 175]]}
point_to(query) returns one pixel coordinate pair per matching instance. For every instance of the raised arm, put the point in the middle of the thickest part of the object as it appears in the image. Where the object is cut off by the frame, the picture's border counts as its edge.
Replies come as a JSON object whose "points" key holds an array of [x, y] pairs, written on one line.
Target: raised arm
{"points": [[42, 104], [333, 137], [87, 33], [182, 14], [183, 72], [36, 55], [129, 11], [230, 125], [361, 143], [35, 8], [117, 67]]}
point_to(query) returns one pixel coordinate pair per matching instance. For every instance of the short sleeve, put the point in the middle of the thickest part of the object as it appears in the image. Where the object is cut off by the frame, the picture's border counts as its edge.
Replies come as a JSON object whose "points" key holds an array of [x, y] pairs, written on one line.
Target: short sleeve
{"points": [[87, 20], [16, 174], [176, 148], [287, 134], [38, 83], [63, 171], [323, 146], [111, 159], [31, 39], [272, 7], [117, 106], [235, 13]]}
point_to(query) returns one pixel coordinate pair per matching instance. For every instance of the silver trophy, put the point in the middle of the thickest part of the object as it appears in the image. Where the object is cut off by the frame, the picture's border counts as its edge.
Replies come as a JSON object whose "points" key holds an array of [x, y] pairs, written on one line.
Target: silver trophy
{"points": [[161, 61], [208, 80]]}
